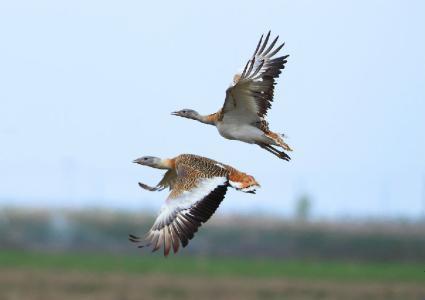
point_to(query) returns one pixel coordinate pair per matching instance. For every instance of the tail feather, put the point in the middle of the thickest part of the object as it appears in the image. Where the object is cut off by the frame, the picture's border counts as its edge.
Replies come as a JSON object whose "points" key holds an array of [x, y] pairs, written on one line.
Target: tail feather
{"points": [[243, 182], [278, 139]]}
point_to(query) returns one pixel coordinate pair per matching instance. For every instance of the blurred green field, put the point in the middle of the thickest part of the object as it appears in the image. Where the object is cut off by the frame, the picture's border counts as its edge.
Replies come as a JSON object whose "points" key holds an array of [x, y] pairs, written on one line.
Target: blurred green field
{"points": [[177, 265], [29, 275], [50, 255]]}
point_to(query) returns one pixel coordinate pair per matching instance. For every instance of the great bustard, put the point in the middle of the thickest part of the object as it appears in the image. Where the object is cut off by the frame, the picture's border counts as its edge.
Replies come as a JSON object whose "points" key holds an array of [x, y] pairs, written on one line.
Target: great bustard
{"points": [[243, 115], [198, 185]]}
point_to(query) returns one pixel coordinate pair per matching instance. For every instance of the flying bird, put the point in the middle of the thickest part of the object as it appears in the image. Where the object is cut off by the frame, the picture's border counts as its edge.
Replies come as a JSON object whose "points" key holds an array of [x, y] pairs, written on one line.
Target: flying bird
{"points": [[243, 115], [198, 185]]}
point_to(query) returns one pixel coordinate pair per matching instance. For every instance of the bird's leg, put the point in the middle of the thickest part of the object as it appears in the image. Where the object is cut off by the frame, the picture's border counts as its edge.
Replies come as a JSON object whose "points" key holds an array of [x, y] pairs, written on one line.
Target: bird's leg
{"points": [[150, 188], [269, 148], [274, 151]]}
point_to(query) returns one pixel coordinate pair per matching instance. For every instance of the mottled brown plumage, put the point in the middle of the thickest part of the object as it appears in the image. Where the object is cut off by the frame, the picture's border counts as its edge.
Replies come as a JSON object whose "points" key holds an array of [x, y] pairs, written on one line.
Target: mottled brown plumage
{"points": [[198, 185]]}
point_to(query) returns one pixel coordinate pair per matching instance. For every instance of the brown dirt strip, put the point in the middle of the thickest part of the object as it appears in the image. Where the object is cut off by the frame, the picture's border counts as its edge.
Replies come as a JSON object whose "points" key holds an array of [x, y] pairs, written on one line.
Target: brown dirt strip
{"points": [[54, 285]]}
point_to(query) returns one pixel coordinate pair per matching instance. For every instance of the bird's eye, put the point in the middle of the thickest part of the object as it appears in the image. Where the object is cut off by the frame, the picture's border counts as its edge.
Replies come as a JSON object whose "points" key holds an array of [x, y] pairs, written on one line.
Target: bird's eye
{"points": [[184, 111], [145, 158]]}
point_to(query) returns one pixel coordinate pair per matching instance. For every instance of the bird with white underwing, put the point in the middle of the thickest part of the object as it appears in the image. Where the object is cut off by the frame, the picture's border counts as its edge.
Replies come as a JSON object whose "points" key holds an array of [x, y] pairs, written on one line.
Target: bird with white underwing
{"points": [[198, 185], [247, 101]]}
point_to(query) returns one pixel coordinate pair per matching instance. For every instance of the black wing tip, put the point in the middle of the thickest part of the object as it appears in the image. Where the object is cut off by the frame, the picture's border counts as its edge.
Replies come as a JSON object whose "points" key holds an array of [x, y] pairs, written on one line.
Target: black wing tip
{"points": [[134, 239], [191, 223]]}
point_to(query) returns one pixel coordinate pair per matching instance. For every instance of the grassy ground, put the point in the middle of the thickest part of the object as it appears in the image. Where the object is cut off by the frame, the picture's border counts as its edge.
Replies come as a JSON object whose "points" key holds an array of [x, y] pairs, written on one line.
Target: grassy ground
{"points": [[90, 276], [212, 267]]}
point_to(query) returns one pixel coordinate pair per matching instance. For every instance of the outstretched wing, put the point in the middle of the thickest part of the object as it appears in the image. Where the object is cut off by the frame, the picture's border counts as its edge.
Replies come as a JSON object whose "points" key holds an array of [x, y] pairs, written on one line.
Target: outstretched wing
{"points": [[251, 94], [193, 200]]}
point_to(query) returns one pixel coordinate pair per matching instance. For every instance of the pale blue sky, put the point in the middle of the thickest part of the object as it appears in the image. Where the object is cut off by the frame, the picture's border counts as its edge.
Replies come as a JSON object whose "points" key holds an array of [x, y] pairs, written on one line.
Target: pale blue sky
{"points": [[87, 86]]}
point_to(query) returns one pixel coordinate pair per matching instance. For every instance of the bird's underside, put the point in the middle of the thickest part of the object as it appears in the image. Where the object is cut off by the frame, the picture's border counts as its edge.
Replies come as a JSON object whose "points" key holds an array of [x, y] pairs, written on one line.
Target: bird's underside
{"points": [[257, 133], [248, 99], [198, 185]]}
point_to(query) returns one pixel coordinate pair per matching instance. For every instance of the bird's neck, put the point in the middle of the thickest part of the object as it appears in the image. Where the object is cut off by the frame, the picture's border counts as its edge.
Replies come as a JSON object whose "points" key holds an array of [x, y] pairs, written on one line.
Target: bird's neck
{"points": [[209, 119], [166, 164]]}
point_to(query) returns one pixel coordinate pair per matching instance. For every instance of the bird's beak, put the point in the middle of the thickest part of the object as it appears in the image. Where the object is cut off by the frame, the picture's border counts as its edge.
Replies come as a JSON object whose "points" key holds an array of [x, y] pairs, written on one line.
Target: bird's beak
{"points": [[138, 161], [175, 113]]}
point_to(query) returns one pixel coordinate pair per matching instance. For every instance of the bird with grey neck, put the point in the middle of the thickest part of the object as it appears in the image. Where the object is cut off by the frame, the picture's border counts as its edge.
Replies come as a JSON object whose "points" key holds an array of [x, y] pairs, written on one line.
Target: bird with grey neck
{"points": [[247, 101], [198, 185]]}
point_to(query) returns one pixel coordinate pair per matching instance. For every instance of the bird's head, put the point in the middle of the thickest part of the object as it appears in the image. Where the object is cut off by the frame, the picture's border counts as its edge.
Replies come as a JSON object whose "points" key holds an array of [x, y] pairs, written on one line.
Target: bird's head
{"points": [[149, 161], [187, 113]]}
